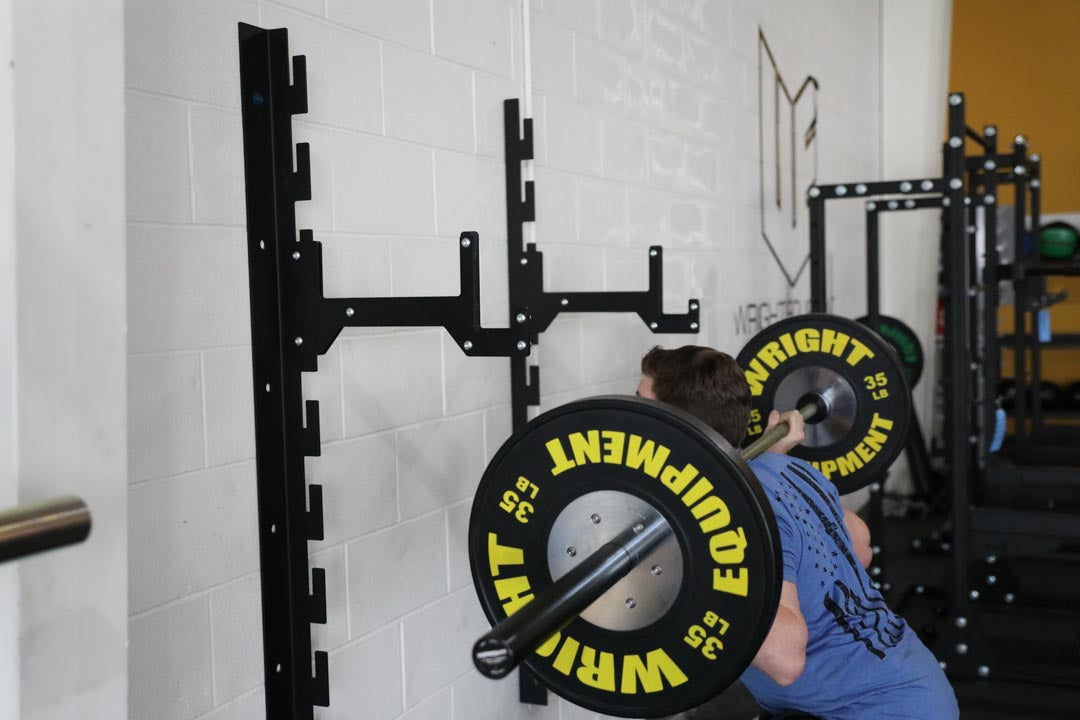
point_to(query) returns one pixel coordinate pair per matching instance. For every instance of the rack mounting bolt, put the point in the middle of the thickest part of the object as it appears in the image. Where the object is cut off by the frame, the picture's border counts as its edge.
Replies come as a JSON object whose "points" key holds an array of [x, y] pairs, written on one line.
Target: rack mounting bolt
{"points": [[876, 550], [841, 190], [653, 252], [1019, 170], [815, 191], [991, 579], [524, 261], [956, 183], [693, 326], [875, 571], [521, 345], [349, 312], [961, 622], [871, 206], [564, 302], [860, 189], [955, 142], [299, 341], [467, 345], [989, 165], [520, 317], [1009, 598], [984, 671], [974, 594], [893, 204], [955, 99], [919, 589], [1036, 183], [1020, 140], [991, 559], [653, 325], [905, 186], [466, 242], [296, 255], [1036, 157], [942, 664], [875, 487], [693, 306], [909, 204], [967, 200], [990, 130], [961, 648], [946, 202]]}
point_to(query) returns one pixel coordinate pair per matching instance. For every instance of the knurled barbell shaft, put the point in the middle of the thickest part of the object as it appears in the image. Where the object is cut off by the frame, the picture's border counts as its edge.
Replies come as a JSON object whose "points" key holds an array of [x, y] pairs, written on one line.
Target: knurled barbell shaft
{"points": [[511, 640]]}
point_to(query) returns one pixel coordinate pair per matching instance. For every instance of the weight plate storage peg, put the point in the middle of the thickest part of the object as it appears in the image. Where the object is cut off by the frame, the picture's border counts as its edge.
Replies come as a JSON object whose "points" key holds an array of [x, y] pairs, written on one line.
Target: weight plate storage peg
{"points": [[621, 487], [848, 370], [905, 342]]}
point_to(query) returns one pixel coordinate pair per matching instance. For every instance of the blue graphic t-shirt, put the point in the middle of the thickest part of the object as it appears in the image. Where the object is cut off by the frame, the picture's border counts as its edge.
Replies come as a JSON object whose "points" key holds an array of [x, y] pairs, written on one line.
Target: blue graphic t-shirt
{"points": [[862, 660]]}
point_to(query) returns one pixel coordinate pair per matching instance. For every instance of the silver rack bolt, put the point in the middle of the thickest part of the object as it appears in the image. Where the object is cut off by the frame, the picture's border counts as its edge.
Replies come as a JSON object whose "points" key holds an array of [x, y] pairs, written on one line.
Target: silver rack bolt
{"points": [[955, 142], [955, 99], [860, 189], [524, 261], [466, 242], [653, 325], [520, 317], [961, 622], [349, 312], [693, 326], [991, 579], [467, 344], [299, 341], [956, 183], [296, 255], [989, 165], [905, 186], [984, 671], [974, 594], [564, 302], [876, 549], [841, 190], [961, 648], [521, 345], [1009, 598], [927, 185], [815, 191]]}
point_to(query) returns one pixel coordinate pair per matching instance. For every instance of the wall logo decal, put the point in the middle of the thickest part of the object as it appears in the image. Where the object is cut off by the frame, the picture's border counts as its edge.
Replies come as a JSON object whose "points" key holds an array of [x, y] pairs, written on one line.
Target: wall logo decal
{"points": [[787, 141]]}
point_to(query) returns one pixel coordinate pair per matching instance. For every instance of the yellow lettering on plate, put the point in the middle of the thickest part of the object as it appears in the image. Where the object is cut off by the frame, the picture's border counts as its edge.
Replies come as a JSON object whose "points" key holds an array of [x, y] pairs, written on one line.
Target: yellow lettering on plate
{"points": [[651, 673]]}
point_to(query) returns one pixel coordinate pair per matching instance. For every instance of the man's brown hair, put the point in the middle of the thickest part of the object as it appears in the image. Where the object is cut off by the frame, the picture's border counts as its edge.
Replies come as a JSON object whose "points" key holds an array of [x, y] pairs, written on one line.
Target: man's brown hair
{"points": [[704, 382]]}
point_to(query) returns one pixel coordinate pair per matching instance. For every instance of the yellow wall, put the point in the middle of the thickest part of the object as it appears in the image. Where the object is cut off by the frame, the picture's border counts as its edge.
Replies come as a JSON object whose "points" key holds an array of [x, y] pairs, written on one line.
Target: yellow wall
{"points": [[1018, 64]]}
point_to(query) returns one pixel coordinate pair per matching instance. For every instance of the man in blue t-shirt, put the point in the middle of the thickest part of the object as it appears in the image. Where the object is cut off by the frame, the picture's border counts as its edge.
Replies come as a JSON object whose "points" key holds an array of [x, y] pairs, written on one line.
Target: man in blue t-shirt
{"points": [[835, 649]]}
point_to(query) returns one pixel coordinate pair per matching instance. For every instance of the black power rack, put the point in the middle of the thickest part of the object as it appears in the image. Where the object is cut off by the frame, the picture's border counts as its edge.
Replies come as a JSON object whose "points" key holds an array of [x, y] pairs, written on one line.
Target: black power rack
{"points": [[293, 323]]}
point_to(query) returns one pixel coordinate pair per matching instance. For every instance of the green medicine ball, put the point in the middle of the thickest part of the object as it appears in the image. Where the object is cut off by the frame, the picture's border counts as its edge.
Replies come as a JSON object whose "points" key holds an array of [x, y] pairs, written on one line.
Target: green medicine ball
{"points": [[1057, 240]]}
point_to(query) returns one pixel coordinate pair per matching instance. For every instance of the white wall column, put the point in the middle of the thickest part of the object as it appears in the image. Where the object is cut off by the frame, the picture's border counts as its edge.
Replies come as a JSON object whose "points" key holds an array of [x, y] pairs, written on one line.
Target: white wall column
{"points": [[914, 84], [71, 348], [9, 577]]}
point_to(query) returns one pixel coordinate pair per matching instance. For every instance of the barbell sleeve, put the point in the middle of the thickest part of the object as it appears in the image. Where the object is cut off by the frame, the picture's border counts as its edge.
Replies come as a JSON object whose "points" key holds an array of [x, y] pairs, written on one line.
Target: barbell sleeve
{"points": [[42, 526], [511, 640]]}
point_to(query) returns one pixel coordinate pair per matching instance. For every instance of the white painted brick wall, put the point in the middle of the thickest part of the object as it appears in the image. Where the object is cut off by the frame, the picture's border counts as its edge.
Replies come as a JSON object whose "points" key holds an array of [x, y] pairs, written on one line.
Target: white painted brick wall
{"points": [[647, 133]]}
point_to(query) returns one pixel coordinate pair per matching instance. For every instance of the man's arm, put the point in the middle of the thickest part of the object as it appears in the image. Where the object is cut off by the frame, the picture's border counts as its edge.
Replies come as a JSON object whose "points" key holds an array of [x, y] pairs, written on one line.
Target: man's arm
{"points": [[860, 537], [783, 654]]}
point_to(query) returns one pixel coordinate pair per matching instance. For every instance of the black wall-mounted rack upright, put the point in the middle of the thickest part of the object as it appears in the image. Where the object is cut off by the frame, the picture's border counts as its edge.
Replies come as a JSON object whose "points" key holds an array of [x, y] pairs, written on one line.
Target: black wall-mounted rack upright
{"points": [[525, 265], [292, 323]]}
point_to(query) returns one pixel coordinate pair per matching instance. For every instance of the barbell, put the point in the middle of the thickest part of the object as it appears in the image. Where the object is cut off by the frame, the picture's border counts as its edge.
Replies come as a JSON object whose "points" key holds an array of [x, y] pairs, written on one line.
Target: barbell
{"points": [[625, 552]]}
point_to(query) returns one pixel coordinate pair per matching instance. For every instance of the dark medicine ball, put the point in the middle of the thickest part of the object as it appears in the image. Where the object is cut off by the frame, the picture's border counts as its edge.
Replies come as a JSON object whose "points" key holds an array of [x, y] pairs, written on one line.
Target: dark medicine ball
{"points": [[1057, 240], [1072, 397], [1050, 395]]}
